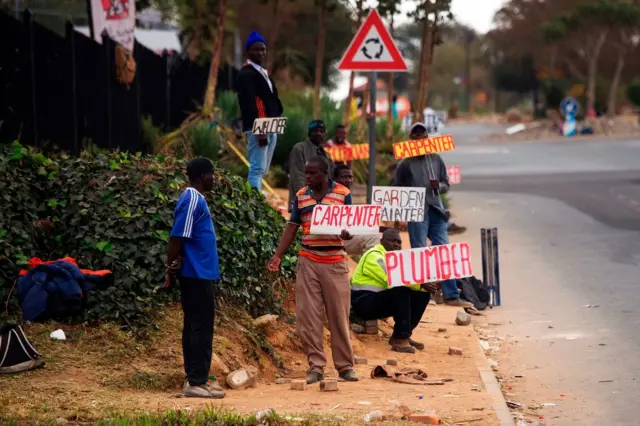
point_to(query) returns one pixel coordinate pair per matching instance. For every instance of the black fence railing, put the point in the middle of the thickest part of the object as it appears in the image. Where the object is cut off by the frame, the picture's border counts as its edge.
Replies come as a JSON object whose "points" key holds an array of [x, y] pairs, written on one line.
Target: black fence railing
{"points": [[62, 92]]}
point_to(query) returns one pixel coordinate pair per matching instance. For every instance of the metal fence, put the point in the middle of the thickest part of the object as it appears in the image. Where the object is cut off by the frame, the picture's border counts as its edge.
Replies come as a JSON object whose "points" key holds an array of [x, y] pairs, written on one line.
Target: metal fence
{"points": [[62, 92]]}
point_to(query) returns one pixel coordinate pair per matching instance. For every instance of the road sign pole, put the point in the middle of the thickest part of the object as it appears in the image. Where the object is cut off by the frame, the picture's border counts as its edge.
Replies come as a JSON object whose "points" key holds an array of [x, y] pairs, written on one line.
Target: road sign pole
{"points": [[372, 134]]}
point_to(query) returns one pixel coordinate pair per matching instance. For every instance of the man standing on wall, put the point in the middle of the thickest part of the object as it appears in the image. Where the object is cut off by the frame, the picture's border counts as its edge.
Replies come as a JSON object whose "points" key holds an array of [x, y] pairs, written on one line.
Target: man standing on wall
{"points": [[258, 98], [322, 276], [429, 171], [301, 153], [193, 255], [339, 141]]}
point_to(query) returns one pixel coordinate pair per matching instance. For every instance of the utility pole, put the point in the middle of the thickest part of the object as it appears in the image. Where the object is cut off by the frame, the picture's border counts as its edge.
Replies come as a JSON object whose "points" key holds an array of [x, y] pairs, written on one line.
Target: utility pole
{"points": [[468, 38]]}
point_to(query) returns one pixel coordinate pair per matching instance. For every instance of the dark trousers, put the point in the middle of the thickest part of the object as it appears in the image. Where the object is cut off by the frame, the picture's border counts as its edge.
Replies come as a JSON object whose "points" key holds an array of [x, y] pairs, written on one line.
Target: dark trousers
{"points": [[197, 298], [406, 306]]}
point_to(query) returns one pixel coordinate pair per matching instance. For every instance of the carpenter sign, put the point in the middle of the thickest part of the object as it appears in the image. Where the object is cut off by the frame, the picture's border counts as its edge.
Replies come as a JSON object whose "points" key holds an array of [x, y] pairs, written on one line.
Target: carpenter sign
{"points": [[454, 175], [428, 264], [262, 126], [418, 147], [357, 219], [401, 203], [340, 154]]}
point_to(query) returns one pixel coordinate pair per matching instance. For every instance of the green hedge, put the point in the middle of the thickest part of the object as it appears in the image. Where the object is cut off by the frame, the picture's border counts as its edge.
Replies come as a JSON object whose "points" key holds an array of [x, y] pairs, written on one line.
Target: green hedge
{"points": [[114, 211]]}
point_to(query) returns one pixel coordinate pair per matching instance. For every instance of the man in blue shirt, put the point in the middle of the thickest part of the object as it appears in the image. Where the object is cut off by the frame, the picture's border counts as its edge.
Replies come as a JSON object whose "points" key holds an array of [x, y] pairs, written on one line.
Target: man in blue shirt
{"points": [[193, 256]]}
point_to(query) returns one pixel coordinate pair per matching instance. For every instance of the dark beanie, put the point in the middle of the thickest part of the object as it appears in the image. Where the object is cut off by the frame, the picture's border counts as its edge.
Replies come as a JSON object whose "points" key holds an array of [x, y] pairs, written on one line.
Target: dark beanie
{"points": [[254, 37]]}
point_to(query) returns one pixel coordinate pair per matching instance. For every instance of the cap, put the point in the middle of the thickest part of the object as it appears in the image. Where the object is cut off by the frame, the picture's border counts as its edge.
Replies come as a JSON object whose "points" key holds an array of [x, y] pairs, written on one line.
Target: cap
{"points": [[416, 125]]}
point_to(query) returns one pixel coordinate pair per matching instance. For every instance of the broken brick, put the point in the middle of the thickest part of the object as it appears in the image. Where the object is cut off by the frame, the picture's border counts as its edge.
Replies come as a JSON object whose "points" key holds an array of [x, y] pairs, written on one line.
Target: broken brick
{"points": [[442, 330], [392, 362], [298, 385], [424, 418], [329, 385], [283, 381], [359, 360], [455, 351]]}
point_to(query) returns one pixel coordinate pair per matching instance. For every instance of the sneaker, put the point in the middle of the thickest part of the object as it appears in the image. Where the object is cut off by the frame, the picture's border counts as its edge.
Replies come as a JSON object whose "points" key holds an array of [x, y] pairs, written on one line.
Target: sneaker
{"points": [[201, 391], [314, 377], [349, 376], [415, 344], [455, 229], [402, 346], [459, 303], [214, 385]]}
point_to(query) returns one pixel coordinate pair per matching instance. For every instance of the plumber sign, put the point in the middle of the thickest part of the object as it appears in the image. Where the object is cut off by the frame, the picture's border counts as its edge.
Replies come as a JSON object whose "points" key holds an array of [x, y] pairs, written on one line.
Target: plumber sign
{"points": [[404, 204], [428, 264]]}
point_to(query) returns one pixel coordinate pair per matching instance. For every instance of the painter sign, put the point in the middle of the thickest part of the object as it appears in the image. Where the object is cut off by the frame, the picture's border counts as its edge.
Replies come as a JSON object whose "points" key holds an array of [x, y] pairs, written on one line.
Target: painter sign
{"points": [[454, 175], [401, 203], [356, 219], [414, 148], [117, 18], [341, 154], [262, 126], [428, 264]]}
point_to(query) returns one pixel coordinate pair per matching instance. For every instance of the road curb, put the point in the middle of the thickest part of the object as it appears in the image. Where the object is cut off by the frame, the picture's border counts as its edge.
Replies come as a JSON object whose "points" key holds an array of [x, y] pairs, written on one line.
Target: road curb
{"points": [[493, 388]]}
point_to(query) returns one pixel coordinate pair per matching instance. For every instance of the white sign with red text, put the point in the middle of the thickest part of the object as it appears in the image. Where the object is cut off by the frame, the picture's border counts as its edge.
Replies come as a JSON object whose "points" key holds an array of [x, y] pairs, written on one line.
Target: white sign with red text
{"points": [[428, 264], [356, 219], [454, 175]]}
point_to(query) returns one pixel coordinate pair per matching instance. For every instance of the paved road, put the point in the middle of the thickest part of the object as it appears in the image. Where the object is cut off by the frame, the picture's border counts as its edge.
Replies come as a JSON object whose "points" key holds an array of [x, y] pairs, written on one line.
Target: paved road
{"points": [[569, 221]]}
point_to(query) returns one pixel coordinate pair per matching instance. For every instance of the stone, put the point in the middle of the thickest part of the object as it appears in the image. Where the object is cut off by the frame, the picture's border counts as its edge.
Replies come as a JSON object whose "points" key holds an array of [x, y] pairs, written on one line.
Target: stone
{"points": [[463, 318], [265, 321], [329, 385], [392, 362], [240, 379], [442, 330], [283, 381], [61, 421], [455, 351], [424, 418], [357, 328], [359, 360], [298, 384]]}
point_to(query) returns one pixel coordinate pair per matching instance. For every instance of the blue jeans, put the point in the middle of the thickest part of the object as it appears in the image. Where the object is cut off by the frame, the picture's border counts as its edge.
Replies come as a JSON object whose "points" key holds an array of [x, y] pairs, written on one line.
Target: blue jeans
{"points": [[434, 227], [259, 158]]}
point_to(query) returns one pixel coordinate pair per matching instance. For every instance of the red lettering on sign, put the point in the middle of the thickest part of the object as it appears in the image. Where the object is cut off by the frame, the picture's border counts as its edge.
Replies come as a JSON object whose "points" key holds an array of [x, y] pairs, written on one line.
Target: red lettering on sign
{"points": [[465, 259], [326, 217], [392, 263], [454, 261], [359, 213], [343, 214], [402, 268], [394, 197], [335, 211], [445, 266], [431, 252], [417, 267]]}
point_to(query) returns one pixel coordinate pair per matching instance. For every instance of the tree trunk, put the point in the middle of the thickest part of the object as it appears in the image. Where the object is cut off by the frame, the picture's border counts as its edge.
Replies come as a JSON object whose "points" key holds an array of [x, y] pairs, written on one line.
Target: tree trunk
{"points": [[615, 83], [390, 118], [419, 81], [273, 34], [319, 59], [426, 59], [210, 98], [347, 108], [593, 72]]}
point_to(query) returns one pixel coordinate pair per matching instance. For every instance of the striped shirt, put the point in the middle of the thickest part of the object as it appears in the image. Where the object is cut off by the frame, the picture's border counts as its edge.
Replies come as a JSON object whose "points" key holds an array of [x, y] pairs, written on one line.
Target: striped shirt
{"points": [[319, 248]]}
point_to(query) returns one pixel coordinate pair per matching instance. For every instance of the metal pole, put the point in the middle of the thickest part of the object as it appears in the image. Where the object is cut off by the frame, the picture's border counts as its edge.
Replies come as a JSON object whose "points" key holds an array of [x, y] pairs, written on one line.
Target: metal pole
{"points": [[467, 72], [496, 266], [372, 135]]}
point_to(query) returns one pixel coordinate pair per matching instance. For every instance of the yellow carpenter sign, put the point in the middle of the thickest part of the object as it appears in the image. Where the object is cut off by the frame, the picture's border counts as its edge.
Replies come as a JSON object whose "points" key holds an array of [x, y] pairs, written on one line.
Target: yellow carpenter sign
{"points": [[423, 146], [349, 153]]}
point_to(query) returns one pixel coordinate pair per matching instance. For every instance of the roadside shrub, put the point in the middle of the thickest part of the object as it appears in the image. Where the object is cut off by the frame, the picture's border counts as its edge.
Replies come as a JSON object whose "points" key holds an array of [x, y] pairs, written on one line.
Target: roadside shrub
{"points": [[115, 211], [633, 92]]}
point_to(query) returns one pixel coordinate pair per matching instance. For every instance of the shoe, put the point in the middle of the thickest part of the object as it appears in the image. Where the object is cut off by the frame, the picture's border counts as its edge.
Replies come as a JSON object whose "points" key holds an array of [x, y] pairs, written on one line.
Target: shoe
{"points": [[417, 345], [402, 346], [201, 391], [439, 298], [455, 229], [349, 376], [215, 386], [459, 303], [314, 377]]}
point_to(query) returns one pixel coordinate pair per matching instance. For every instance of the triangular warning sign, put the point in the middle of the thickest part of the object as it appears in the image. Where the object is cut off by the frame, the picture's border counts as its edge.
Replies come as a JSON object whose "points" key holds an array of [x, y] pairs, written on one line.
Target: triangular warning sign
{"points": [[372, 49]]}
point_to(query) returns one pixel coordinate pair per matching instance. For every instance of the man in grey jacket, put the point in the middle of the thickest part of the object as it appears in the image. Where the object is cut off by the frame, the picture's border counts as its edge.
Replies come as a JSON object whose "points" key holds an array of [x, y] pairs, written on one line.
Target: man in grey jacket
{"points": [[303, 152], [429, 171]]}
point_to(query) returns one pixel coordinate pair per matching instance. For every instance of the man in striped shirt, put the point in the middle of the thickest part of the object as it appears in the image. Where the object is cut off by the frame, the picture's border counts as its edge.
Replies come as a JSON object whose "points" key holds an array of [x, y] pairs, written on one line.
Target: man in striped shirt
{"points": [[193, 255], [322, 277]]}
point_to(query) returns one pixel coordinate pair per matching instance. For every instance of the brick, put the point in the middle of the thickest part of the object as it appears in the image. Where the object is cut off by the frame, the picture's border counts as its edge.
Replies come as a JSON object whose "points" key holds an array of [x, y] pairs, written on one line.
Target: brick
{"points": [[371, 326], [424, 418], [283, 381], [442, 330], [392, 362], [329, 385], [298, 385], [455, 351], [360, 360]]}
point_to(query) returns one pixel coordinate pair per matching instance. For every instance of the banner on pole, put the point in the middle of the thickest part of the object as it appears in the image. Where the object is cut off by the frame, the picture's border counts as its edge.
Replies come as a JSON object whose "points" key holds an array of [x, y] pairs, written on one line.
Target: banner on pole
{"points": [[349, 153], [117, 17], [418, 147], [454, 175], [428, 264], [262, 126], [356, 219], [401, 203]]}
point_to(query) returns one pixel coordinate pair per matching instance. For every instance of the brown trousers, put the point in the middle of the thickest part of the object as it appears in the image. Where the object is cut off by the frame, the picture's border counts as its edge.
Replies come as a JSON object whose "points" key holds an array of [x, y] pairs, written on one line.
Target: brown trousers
{"points": [[323, 289]]}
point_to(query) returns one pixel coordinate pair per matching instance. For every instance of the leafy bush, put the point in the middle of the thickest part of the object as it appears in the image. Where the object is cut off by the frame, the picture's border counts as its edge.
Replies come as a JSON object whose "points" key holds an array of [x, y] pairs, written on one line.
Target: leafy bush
{"points": [[633, 93], [114, 211], [205, 141]]}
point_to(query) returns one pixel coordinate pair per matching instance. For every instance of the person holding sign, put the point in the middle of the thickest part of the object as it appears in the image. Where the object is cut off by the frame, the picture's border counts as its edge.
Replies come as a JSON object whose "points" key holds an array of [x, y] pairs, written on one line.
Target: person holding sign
{"points": [[372, 298], [429, 171], [258, 98], [301, 153], [339, 141], [322, 277]]}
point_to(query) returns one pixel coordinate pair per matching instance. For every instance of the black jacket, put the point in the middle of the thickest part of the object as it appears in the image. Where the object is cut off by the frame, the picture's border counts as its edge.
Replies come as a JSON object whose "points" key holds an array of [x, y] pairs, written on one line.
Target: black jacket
{"points": [[255, 98]]}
